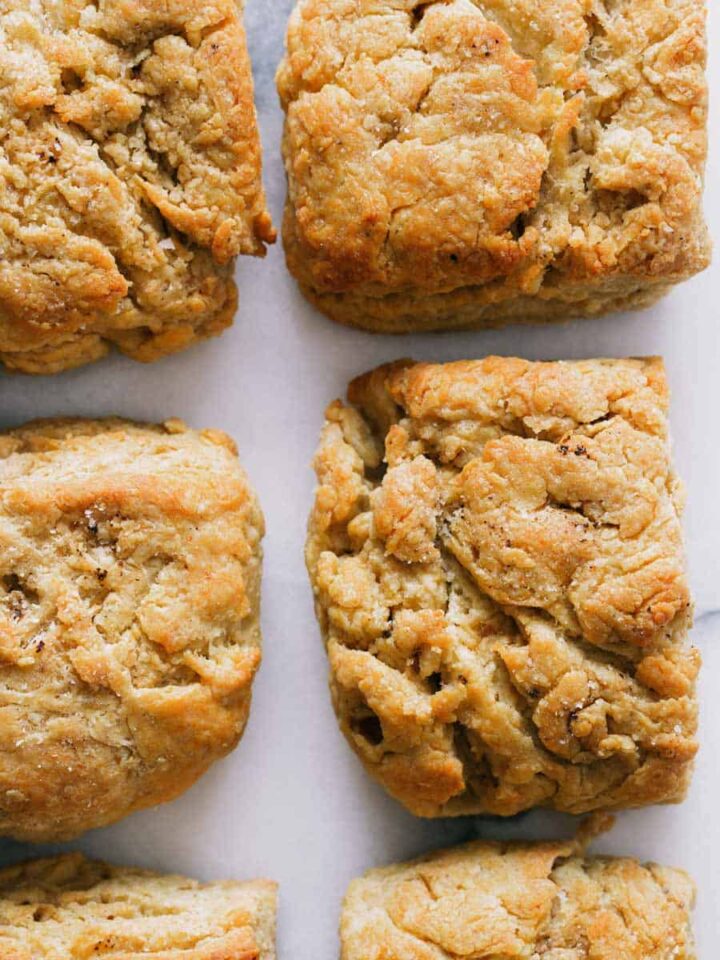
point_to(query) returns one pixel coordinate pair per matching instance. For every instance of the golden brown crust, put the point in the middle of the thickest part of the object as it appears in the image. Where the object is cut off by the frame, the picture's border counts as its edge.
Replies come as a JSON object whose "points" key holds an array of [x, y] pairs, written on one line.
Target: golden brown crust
{"points": [[464, 164], [129, 617], [529, 901], [70, 908], [497, 560], [129, 177]]}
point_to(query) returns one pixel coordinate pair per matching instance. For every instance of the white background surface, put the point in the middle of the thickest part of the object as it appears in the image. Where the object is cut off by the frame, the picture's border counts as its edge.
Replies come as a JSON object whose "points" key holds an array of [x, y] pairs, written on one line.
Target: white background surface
{"points": [[292, 802]]}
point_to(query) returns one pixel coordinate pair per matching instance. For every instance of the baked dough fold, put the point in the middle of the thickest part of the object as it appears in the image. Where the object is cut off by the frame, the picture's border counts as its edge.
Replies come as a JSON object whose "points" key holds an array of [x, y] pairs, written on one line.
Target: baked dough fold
{"points": [[129, 177], [71, 908], [474, 162], [519, 901], [496, 556], [130, 566]]}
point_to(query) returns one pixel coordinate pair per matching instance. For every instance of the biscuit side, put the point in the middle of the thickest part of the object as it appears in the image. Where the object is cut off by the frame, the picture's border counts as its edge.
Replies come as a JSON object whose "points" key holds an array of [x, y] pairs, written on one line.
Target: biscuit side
{"points": [[496, 555], [130, 170], [67, 908]]}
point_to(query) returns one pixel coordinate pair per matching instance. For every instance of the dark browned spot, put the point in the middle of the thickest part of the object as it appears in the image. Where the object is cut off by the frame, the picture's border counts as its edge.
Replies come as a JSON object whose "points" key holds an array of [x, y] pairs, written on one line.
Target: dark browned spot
{"points": [[70, 80], [517, 227], [435, 682], [369, 728]]}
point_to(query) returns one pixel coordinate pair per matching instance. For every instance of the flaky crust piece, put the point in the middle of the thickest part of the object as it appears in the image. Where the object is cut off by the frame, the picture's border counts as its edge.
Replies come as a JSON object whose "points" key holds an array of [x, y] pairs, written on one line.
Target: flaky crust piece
{"points": [[129, 177], [130, 567], [70, 908], [519, 901], [496, 556], [465, 163]]}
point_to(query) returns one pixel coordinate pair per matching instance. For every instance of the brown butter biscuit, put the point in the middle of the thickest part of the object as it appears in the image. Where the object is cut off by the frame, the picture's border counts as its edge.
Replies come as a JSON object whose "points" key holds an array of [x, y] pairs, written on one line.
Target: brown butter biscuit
{"points": [[129, 177], [130, 566], [70, 908], [497, 560], [475, 162], [519, 900]]}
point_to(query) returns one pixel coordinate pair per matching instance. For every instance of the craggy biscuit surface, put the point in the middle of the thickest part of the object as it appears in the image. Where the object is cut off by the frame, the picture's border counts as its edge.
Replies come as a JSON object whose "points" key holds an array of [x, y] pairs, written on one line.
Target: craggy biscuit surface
{"points": [[495, 901], [472, 162], [129, 617], [497, 561], [129, 177], [70, 908]]}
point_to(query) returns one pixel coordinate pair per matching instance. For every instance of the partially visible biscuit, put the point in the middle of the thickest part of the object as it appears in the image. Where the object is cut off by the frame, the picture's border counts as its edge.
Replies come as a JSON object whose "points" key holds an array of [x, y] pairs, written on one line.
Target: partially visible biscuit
{"points": [[497, 560], [467, 164], [129, 177], [530, 901], [70, 908], [130, 564]]}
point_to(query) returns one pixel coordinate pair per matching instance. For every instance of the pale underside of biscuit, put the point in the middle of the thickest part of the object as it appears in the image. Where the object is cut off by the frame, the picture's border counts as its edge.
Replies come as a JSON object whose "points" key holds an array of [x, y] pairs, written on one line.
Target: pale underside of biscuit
{"points": [[497, 560], [129, 177], [70, 908], [519, 901], [476, 162], [130, 566]]}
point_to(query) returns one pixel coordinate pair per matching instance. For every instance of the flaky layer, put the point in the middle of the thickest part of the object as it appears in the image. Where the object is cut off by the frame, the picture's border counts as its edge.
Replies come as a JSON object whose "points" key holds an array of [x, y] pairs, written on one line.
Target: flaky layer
{"points": [[129, 617], [496, 555], [519, 901], [475, 162], [129, 177], [70, 908]]}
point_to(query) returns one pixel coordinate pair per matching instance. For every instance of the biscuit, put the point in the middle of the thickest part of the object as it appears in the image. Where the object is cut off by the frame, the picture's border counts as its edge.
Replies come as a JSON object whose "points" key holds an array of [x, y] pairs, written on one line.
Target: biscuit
{"points": [[129, 177], [70, 908], [130, 566], [519, 900], [465, 164], [497, 561]]}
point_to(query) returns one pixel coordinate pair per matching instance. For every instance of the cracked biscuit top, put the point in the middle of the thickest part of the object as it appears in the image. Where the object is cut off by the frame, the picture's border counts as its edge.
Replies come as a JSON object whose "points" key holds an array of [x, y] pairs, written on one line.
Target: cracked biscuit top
{"points": [[129, 177], [497, 560], [470, 162], [70, 908], [129, 617], [519, 902]]}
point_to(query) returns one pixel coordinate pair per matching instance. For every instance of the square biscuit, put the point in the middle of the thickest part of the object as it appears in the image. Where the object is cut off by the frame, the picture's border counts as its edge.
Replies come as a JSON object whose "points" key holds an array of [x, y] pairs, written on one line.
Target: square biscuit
{"points": [[130, 567], [520, 901], [497, 559], [71, 908], [466, 164], [129, 177]]}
